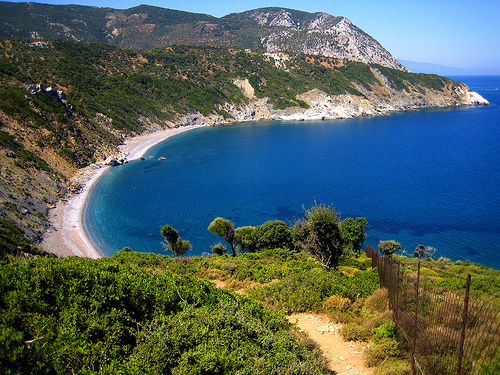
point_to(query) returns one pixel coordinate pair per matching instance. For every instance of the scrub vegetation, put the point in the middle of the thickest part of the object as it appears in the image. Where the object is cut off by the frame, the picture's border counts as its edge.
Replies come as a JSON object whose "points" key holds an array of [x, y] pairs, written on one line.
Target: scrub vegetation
{"points": [[151, 313]]}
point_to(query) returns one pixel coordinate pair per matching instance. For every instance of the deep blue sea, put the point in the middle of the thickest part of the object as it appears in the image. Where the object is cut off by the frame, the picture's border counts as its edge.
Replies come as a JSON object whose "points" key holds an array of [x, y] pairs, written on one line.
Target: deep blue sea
{"points": [[429, 177]]}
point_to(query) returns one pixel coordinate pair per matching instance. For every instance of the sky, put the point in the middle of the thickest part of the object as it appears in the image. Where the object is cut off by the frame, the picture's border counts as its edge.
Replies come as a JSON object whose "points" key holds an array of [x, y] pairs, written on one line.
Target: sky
{"points": [[455, 33]]}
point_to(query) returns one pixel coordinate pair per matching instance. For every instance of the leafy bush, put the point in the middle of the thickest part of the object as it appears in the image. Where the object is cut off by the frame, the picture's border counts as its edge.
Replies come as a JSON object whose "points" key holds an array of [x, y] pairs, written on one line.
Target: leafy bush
{"points": [[354, 332], [307, 290], [272, 234], [386, 330], [129, 314], [381, 350]]}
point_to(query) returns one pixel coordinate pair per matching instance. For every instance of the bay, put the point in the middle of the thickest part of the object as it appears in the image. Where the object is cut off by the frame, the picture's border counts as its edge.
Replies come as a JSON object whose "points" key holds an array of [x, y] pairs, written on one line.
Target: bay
{"points": [[428, 177]]}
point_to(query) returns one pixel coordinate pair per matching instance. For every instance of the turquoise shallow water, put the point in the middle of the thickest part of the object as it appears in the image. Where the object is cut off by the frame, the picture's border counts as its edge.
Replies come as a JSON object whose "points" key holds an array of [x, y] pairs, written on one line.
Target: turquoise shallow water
{"points": [[430, 177]]}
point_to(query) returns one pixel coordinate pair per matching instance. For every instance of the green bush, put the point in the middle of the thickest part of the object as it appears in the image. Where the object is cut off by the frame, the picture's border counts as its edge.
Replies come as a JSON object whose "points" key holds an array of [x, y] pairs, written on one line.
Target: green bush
{"points": [[354, 332], [386, 330], [130, 314], [394, 367], [272, 234], [381, 350]]}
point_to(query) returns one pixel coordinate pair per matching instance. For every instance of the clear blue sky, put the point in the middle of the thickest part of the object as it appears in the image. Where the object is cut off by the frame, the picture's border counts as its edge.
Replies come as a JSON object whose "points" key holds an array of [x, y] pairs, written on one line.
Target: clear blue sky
{"points": [[457, 33]]}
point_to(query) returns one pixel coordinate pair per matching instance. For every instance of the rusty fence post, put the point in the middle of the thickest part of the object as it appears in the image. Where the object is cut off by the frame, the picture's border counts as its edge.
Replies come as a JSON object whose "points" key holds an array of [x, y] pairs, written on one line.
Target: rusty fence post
{"points": [[414, 333], [464, 324]]}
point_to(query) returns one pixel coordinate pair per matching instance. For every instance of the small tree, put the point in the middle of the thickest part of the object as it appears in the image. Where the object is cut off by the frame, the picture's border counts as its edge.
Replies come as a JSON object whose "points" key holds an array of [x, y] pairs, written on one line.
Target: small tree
{"points": [[219, 249], [273, 234], [320, 235], [422, 251], [389, 247], [353, 233], [244, 237], [224, 229], [174, 243]]}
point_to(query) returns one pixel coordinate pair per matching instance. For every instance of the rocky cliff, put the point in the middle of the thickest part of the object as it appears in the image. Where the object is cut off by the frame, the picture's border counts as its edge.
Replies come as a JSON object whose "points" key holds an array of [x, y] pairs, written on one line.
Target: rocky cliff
{"points": [[318, 34]]}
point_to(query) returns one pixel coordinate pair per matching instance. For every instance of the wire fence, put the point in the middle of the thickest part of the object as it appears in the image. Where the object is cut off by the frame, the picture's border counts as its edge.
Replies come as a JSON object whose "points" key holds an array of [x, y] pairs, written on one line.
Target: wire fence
{"points": [[448, 331]]}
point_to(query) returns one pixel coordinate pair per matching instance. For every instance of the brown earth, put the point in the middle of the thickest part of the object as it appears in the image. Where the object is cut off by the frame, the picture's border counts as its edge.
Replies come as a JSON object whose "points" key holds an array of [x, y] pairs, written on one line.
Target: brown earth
{"points": [[344, 358]]}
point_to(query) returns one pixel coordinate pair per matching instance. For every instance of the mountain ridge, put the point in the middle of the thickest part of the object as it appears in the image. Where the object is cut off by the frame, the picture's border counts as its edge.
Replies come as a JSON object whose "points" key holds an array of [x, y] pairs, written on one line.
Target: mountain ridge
{"points": [[271, 29]]}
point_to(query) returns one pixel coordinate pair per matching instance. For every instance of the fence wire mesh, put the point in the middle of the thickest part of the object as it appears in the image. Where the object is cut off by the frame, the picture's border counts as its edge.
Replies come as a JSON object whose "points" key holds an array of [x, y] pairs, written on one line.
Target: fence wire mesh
{"points": [[448, 331]]}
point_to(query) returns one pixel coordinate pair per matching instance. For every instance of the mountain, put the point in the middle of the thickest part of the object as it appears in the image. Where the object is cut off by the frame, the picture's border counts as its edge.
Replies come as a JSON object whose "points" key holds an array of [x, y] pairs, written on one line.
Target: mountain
{"points": [[267, 29]]}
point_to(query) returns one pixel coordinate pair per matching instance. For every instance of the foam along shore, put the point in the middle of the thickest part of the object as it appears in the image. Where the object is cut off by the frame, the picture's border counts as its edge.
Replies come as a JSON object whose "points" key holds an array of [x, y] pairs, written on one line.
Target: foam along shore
{"points": [[68, 237]]}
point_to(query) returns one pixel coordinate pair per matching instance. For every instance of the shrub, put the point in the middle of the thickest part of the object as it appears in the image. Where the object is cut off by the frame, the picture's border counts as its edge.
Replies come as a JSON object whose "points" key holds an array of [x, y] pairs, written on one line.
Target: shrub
{"points": [[355, 263], [378, 301], [272, 234], [337, 303], [349, 271], [386, 330], [219, 249], [354, 332], [394, 367], [385, 348]]}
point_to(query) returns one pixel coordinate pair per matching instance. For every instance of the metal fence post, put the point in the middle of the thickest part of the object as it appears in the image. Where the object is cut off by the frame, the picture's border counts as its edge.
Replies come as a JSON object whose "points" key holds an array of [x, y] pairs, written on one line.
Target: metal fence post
{"points": [[414, 333], [464, 323]]}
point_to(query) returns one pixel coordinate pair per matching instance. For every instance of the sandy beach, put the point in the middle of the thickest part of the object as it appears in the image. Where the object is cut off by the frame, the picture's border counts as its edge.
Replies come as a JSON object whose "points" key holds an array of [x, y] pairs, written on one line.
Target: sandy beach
{"points": [[68, 237]]}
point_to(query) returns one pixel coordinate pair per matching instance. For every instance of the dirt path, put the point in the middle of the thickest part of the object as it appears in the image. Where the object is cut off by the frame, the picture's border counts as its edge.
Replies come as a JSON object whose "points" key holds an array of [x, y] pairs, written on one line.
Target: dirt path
{"points": [[345, 358]]}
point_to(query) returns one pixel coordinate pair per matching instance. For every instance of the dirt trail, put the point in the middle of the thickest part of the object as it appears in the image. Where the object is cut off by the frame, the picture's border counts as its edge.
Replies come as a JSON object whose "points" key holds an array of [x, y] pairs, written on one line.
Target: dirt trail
{"points": [[344, 358]]}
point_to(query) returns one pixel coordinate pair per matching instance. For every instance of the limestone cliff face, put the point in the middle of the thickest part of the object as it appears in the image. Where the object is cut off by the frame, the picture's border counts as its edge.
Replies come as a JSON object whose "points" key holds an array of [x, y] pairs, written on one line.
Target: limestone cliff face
{"points": [[381, 100], [321, 34]]}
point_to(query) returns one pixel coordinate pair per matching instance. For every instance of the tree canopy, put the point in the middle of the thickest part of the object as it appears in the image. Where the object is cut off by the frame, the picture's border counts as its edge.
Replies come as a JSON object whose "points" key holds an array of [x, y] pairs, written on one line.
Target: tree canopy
{"points": [[224, 228], [320, 234], [174, 243]]}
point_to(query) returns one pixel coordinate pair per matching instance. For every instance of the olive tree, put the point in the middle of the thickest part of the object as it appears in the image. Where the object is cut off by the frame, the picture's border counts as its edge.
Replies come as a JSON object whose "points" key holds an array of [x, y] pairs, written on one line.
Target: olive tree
{"points": [[174, 243], [245, 238], [219, 249], [353, 233], [320, 234], [272, 234], [224, 229], [389, 247]]}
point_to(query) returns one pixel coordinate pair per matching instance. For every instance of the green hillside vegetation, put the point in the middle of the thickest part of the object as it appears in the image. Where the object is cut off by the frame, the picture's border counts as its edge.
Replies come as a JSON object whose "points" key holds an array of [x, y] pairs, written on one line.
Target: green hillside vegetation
{"points": [[127, 84], [150, 313]]}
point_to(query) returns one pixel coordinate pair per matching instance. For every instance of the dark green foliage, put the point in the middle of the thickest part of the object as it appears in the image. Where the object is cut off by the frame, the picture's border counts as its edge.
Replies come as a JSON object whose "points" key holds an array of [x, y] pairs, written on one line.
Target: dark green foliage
{"points": [[219, 249], [175, 244], [244, 237], [117, 316], [320, 234], [402, 80], [272, 234], [389, 247], [224, 229], [353, 233], [13, 242]]}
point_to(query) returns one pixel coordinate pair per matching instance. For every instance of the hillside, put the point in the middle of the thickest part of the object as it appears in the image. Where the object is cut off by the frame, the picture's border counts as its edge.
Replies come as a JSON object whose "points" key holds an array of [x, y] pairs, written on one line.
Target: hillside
{"points": [[151, 313], [267, 29]]}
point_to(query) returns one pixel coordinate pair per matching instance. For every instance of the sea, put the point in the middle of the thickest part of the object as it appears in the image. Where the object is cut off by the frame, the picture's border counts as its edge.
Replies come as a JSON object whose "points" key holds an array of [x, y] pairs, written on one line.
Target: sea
{"points": [[428, 177]]}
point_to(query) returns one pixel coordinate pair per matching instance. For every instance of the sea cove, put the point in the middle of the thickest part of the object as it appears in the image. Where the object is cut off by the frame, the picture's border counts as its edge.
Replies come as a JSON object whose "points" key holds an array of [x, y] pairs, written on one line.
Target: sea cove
{"points": [[429, 177]]}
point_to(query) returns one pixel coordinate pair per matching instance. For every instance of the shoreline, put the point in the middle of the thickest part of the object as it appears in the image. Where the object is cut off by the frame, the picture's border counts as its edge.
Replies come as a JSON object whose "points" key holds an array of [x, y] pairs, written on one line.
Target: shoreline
{"points": [[68, 236]]}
